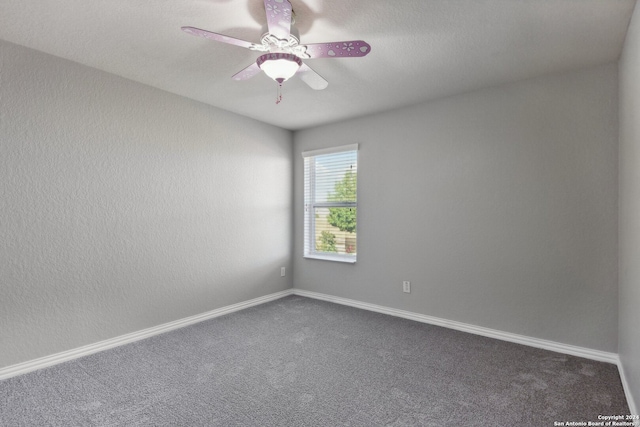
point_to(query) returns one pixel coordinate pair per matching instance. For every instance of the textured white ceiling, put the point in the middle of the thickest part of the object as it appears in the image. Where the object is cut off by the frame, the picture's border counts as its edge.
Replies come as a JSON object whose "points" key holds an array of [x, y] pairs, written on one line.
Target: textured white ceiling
{"points": [[420, 49]]}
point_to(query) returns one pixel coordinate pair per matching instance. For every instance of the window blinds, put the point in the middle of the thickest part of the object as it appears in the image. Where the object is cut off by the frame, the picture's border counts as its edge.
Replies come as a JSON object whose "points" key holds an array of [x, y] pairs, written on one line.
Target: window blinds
{"points": [[330, 203]]}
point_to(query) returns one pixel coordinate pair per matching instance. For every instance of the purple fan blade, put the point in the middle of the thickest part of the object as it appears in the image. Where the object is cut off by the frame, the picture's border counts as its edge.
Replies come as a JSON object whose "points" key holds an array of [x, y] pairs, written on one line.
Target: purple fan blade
{"points": [[218, 37], [350, 49], [278, 18], [311, 78], [247, 73]]}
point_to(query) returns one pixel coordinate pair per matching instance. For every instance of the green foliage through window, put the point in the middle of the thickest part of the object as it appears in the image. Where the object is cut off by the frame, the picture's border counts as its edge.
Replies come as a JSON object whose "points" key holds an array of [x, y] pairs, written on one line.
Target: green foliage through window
{"points": [[344, 191], [327, 242]]}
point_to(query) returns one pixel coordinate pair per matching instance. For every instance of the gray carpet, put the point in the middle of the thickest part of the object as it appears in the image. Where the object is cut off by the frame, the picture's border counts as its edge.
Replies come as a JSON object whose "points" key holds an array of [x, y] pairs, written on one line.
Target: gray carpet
{"points": [[303, 362]]}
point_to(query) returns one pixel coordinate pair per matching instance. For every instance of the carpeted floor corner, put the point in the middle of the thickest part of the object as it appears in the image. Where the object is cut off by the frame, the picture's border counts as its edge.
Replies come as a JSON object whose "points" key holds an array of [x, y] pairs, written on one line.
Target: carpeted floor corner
{"points": [[302, 362]]}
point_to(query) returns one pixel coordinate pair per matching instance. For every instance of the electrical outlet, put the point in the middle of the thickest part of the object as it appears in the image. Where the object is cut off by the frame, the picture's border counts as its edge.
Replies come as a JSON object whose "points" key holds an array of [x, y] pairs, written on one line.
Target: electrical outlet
{"points": [[406, 286], [281, 271]]}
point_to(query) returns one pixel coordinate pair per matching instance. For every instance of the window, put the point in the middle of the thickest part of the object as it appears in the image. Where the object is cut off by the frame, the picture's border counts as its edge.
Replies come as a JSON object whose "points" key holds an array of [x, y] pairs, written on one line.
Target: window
{"points": [[330, 206]]}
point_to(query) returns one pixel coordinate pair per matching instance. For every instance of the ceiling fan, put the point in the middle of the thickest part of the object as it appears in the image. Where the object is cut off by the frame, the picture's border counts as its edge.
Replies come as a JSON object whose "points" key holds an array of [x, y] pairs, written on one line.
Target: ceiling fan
{"points": [[283, 52]]}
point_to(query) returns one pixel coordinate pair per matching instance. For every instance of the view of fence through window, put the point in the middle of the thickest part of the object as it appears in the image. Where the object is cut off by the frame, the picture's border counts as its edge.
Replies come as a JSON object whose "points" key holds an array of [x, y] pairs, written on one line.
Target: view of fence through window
{"points": [[334, 207], [330, 238]]}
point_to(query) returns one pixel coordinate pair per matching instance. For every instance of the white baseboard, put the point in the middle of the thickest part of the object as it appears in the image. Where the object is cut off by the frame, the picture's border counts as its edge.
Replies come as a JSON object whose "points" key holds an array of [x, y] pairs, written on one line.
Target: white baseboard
{"points": [[54, 359], [587, 353], [633, 409], [43, 362]]}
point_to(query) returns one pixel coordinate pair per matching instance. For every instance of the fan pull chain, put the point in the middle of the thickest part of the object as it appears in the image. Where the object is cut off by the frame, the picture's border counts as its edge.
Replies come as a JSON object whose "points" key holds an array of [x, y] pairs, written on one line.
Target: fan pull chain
{"points": [[279, 94]]}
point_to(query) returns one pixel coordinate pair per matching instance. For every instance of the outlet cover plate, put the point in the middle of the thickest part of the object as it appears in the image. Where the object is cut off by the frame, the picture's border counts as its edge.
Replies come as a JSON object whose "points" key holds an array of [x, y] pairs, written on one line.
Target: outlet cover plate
{"points": [[406, 286]]}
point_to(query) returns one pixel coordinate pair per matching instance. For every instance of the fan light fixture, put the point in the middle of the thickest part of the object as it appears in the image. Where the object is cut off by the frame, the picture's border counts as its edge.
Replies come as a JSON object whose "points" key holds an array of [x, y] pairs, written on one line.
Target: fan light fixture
{"points": [[279, 66]]}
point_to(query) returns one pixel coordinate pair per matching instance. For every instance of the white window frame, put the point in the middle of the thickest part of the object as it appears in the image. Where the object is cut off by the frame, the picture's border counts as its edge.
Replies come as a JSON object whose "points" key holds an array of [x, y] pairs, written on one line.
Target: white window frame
{"points": [[310, 206]]}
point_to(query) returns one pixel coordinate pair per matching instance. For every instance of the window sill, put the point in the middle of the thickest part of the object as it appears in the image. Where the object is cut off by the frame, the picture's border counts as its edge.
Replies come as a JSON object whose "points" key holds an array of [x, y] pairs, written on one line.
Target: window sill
{"points": [[337, 258]]}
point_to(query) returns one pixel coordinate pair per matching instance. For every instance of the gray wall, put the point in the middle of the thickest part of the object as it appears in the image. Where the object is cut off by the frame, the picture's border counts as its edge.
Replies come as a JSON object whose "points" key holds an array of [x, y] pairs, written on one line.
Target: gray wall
{"points": [[500, 207], [124, 207], [629, 288]]}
